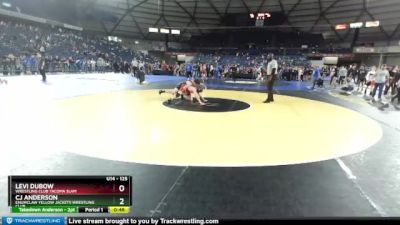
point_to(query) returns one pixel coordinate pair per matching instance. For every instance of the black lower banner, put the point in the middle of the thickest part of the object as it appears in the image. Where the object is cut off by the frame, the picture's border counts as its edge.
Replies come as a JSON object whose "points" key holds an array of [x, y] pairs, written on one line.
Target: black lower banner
{"points": [[136, 221], [162, 221]]}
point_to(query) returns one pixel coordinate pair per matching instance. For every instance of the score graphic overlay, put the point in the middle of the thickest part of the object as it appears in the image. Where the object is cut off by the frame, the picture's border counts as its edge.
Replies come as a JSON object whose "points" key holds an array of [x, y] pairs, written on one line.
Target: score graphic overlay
{"points": [[69, 194]]}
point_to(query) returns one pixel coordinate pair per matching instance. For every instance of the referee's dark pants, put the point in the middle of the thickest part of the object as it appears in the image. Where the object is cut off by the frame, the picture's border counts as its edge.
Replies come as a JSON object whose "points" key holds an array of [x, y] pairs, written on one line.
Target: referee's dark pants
{"points": [[270, 86], [43, 73]]}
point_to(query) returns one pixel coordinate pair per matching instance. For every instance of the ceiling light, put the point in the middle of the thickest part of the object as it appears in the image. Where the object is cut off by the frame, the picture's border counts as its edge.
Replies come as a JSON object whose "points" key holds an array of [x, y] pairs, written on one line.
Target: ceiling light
{"points": [[372, 23], [341, 27], [356, 25], [173, 31], [153, 30], [164, 31], [6, 4]]}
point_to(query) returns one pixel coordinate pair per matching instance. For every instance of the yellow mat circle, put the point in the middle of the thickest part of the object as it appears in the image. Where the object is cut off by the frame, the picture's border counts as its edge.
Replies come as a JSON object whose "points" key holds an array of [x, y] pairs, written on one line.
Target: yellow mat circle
{"points": [[134, 126]]}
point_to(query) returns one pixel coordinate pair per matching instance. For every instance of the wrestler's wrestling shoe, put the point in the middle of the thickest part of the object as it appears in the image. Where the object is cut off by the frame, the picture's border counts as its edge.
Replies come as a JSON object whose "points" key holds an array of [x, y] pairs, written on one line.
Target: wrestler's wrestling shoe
{"points": [[268, 101], [161, 91]]}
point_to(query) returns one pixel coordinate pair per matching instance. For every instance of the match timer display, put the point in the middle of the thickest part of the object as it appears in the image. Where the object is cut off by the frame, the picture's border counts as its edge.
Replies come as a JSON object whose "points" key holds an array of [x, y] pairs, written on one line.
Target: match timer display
{"points": [[69, 194]]}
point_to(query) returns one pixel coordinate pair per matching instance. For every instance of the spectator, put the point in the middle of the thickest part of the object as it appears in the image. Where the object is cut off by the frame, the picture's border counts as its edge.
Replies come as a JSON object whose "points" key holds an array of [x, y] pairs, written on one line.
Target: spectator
{"points": [[370, 79], [316, 75], [342, 75], [398, 93], [382, 75], [189, 69]]}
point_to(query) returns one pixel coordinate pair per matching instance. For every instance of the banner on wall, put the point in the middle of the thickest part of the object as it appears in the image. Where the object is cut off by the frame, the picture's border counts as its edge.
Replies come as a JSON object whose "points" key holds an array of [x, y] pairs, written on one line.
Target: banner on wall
{"points": [[330, 60], [181, 58]]}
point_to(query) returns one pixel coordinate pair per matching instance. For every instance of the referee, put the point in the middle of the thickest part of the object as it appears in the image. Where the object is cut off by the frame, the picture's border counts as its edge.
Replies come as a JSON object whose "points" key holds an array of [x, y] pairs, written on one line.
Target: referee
{"points": [[272, 68], [42, 67]]}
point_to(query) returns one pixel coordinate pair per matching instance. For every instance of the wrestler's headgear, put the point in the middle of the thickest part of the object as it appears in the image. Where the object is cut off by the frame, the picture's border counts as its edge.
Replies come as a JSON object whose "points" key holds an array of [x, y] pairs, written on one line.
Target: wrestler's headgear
{"points": [[198, 81], [200, 88]]}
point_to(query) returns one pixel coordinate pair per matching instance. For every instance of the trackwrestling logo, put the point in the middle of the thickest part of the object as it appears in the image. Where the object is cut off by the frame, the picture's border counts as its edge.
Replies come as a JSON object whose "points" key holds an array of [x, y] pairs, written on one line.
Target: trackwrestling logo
{"points": [[33, 220]]}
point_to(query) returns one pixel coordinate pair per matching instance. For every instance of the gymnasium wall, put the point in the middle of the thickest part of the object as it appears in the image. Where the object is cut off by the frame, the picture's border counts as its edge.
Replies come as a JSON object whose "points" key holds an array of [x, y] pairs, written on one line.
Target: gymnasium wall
{"points": [[373, 59]]}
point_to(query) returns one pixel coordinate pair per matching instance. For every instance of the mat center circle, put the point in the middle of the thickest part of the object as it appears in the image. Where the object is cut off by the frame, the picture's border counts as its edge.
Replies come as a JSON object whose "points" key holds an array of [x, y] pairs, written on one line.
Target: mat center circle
{"points": [[212, 105]]}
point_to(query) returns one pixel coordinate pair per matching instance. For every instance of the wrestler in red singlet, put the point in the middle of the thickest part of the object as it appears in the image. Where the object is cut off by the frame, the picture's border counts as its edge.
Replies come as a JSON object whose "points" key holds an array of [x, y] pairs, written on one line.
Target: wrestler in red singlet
{"points": [[184, 89]]}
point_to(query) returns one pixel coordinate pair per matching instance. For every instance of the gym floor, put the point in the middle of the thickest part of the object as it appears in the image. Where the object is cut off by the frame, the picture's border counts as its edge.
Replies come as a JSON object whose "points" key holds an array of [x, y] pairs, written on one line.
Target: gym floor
{"points": [[309, 154]]}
